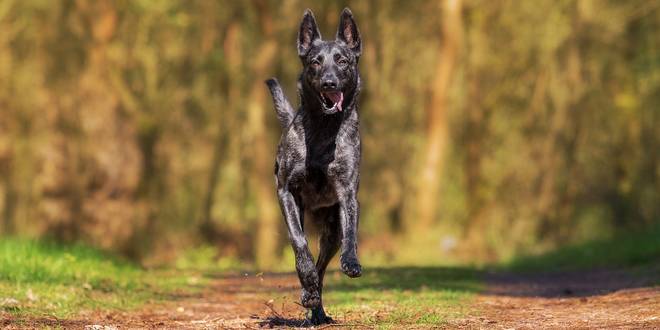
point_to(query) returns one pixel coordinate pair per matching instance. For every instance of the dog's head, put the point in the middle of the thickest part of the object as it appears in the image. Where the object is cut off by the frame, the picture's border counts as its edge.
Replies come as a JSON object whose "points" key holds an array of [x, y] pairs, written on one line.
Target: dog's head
{"points": [[329, 67]]}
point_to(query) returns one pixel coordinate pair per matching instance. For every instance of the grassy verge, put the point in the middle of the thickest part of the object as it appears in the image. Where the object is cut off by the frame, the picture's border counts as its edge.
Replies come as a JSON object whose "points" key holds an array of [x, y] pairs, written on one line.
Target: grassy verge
{"points": [[41, 278], [393, 297], [629, 249]]}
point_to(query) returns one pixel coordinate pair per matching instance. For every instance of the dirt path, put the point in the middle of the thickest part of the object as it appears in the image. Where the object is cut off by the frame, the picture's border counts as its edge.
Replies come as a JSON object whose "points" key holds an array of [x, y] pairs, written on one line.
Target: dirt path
{"points": [[238, 301], [596, 299], [603, 299]]}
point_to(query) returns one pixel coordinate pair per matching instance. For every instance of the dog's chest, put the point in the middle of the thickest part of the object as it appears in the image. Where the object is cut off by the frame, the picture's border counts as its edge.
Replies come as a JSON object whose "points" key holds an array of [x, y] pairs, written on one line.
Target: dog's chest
{"points": [[326, 161], [320, 179]]}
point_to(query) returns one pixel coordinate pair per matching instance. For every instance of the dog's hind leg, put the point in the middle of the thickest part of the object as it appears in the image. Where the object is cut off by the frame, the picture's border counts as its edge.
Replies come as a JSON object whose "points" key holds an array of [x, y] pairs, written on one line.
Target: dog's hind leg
{"points": [[283, 107], [329, 243], [309, 279]]}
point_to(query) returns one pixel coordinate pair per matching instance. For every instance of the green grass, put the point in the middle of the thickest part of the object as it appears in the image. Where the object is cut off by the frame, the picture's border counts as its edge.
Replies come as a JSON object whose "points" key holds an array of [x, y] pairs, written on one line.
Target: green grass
{"points": [[51, 279], [638, 248], [58, 280], [392, 297]]}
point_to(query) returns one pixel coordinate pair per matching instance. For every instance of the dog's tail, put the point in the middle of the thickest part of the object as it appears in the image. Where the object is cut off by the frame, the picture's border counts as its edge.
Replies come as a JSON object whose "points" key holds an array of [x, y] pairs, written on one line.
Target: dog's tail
{"points": [[282, 106]]}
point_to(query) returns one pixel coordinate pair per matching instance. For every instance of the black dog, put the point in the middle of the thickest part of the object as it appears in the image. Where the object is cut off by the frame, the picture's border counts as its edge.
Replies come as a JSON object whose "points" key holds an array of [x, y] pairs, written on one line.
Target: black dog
{"points": [[317, 166]]}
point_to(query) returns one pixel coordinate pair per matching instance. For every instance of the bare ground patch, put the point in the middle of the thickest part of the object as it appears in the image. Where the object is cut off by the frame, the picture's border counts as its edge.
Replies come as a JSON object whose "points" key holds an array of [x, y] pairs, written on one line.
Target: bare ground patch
{"points": [[603, 299], [584, 299]]}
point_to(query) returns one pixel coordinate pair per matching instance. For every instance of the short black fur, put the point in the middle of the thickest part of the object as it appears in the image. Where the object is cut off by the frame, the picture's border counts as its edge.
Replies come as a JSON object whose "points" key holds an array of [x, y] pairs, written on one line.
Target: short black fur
{"points": [[318, 157]]}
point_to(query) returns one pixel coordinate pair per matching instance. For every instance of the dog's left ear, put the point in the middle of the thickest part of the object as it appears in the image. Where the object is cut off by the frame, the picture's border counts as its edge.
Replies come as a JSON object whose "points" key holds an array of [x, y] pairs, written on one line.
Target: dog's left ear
{"points": [[348, 32]]}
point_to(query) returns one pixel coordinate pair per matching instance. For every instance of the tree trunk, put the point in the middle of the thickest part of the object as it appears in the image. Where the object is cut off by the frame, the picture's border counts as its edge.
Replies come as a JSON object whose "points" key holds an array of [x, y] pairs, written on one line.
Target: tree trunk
{"points": [[232, 52], [9, 198], [476, 131], [206, 226], [427, 188], [263, 167], [262, 181]]}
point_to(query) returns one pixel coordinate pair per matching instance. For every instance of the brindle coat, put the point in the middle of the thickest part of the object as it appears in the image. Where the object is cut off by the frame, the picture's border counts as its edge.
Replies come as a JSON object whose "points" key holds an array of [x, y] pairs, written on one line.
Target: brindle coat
{"points": [[318, 158]]}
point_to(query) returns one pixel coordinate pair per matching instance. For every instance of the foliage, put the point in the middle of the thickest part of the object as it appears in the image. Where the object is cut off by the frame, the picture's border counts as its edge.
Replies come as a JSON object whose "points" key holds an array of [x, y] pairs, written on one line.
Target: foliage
{"points": [[144, 127], [631, 249]]}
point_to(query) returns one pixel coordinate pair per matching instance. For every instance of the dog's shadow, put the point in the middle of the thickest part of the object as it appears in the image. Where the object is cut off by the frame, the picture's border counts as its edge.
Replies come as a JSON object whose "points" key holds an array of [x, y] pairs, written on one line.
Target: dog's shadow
{"points": [[279, 321]]}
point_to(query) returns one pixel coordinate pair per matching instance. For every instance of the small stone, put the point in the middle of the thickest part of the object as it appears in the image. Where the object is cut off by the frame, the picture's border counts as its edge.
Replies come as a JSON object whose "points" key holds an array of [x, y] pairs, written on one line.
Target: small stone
{"points": [[31, 296], [9, 303], [100, 327]]}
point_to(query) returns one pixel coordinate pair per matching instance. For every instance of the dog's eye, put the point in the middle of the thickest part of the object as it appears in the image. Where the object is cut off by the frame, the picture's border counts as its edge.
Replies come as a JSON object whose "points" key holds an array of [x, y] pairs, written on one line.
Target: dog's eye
{"points": [[315, 64], [342, 61]]}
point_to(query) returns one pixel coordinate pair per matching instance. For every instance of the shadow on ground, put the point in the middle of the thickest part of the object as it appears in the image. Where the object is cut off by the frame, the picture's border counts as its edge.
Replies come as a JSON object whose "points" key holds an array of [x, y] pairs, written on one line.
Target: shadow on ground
{"points": [[628, 260], [279, 321], [411, 278], [540, 283], [565, 284]]}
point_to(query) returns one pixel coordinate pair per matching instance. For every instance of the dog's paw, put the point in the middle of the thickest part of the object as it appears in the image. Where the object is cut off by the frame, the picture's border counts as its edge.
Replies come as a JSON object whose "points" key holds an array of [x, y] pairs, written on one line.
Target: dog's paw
{"points": [[310, 299], [319, 317], [321, 320], [351, 267]]}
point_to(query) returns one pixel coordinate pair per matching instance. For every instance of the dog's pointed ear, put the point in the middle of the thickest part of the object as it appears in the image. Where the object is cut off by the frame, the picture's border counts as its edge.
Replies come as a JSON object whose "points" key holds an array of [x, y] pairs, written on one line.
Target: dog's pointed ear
{"points": [[309, 32], [348, 32]]}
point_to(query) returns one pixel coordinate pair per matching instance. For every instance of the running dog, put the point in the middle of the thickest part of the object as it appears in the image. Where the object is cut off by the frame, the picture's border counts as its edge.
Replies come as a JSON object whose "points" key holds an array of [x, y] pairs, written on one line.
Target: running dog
{"points": [[318, 157]]}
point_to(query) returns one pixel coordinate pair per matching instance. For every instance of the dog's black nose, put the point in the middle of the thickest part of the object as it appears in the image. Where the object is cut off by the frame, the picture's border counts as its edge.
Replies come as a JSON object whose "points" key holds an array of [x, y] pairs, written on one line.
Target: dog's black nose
{"points": [[329, 84]]}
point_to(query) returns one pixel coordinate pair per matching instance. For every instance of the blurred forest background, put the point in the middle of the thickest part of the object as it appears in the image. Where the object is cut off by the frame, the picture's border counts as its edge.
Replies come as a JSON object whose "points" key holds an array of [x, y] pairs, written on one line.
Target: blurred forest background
{"points": [[490, 128]]}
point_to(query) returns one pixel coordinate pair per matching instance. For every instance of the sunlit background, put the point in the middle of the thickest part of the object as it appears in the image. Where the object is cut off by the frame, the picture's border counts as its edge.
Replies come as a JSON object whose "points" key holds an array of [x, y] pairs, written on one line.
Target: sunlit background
{"points": [[490, 129]]}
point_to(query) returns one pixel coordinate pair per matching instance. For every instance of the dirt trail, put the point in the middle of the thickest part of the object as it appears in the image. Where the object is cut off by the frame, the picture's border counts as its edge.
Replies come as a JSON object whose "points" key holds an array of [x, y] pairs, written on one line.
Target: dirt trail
{"points": [[601, 299], [236, 301], [596, 299]]}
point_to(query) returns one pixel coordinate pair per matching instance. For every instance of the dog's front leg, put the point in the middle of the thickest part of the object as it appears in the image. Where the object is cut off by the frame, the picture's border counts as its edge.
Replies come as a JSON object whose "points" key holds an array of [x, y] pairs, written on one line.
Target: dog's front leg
{"points": [[307, 274], [349, 210]]}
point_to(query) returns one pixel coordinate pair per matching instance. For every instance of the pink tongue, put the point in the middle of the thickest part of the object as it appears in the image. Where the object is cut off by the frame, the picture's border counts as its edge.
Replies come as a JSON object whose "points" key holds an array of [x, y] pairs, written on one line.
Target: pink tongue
{"points": [[336, 97]]}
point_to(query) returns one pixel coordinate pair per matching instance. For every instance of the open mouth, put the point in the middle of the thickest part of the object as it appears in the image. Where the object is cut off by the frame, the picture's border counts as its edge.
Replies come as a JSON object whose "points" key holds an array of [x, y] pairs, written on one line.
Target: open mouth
{"points": [[331, 100]]}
